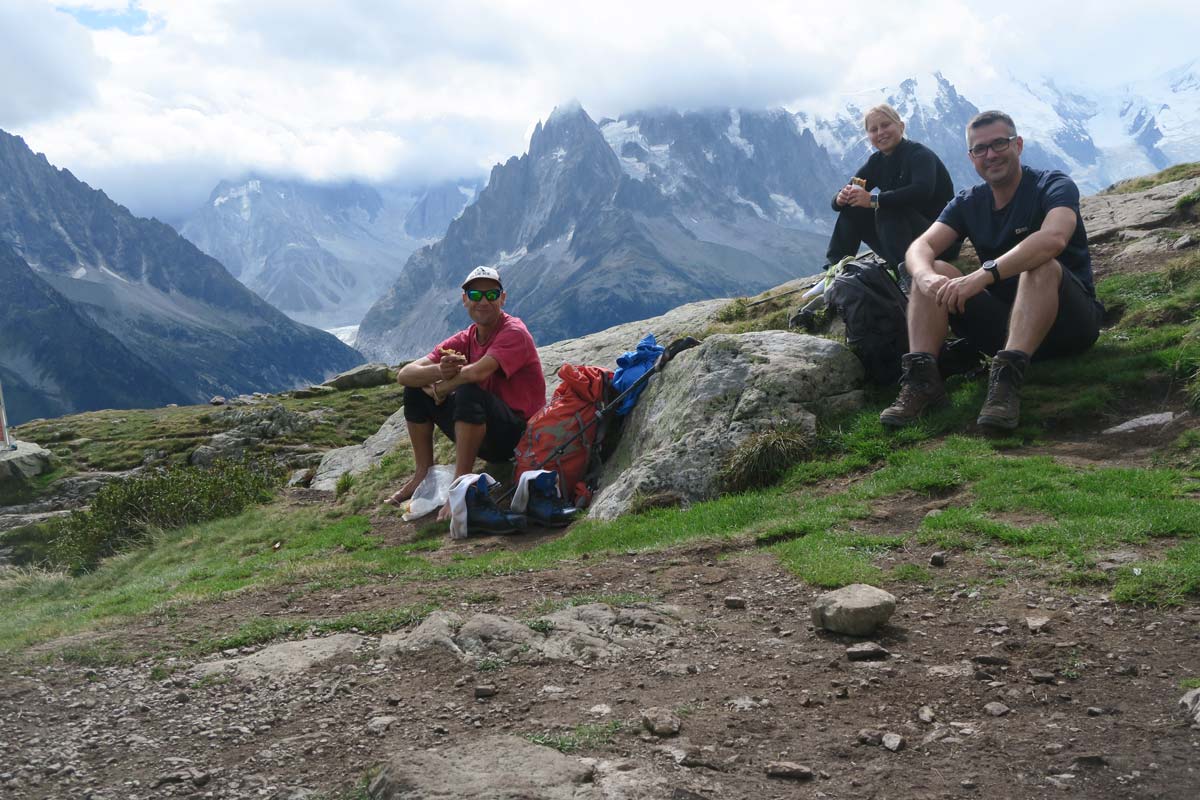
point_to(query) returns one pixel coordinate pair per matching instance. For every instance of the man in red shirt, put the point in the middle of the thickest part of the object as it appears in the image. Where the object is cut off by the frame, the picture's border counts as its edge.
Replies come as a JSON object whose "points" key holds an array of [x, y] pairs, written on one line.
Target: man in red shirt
{"points": [[480, 386]]}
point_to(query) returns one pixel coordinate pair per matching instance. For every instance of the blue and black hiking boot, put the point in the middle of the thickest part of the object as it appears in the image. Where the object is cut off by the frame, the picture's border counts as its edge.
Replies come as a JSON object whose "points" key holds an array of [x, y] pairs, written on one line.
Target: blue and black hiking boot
{"points": [[484, 516], [545, 507]]}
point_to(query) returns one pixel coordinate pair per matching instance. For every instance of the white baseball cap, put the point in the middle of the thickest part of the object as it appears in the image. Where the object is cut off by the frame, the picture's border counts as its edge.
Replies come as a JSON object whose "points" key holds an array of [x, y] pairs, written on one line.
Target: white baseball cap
{"points": [[482, 272]]}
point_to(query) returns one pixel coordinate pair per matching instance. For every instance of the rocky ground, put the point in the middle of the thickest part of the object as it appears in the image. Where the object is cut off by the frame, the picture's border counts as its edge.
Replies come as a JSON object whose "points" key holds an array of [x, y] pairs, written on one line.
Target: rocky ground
{"points": [[687, 674], [988, 688]]}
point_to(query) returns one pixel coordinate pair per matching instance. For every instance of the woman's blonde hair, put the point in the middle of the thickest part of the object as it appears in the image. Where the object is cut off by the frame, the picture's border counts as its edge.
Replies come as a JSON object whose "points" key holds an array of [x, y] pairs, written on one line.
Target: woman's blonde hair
{"points": [[886, 110]]}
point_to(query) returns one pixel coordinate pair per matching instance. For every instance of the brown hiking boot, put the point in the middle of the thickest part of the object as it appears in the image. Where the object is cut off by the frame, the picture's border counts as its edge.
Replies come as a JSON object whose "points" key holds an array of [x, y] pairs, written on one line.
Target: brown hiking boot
{"points": [[1002, 409], [921, 387]]}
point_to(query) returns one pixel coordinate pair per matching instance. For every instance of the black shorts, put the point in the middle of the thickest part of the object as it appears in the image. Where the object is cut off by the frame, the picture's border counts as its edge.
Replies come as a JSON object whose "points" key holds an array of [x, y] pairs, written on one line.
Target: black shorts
{"points": [[1075, 329], [470, 403]]}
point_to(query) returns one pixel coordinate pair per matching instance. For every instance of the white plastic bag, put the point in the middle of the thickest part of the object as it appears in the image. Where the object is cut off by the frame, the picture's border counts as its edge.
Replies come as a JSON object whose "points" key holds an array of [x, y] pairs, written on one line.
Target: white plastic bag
{"points": [[431, 494]]}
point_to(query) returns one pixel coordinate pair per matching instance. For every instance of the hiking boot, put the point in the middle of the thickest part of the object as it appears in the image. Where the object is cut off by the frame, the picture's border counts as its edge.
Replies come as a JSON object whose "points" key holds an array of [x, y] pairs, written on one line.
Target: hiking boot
{"points": [[484, 516], [921, 387], [545, 507], [1002, 409]]}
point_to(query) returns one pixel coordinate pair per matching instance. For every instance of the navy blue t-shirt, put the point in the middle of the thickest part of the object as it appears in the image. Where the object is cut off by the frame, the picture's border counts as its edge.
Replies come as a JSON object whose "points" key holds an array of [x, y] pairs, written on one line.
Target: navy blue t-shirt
{"points": [[994, 232]]}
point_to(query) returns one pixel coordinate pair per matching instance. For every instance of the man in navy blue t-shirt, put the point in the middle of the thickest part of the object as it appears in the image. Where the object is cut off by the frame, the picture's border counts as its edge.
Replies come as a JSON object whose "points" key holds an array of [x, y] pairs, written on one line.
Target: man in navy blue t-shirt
{"points": [[1033, 295]]}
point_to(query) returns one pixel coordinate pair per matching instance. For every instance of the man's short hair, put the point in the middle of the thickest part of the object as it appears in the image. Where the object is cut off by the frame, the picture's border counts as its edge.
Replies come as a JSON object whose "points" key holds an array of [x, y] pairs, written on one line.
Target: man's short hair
{"points": [[987, 118]]}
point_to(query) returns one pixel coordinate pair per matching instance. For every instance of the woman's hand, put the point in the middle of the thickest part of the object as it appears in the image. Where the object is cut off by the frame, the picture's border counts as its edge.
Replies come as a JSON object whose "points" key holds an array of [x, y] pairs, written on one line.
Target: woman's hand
{"points": [[855, 196]]}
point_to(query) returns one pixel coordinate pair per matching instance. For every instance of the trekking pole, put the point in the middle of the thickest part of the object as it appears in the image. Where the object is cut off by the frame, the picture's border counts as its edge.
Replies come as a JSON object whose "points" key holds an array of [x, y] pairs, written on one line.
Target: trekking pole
{"points": [[675, 348], [8, 444]]}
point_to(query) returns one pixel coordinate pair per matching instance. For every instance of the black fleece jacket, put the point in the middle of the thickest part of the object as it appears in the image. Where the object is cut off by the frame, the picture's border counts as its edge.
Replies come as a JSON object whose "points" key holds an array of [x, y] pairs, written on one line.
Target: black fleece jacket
{"points": [[912, 175]]}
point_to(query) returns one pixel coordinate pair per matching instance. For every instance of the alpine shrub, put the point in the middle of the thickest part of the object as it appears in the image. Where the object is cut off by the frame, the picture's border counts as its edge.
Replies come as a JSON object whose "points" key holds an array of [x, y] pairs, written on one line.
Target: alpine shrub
{"points": [[125, 512]]}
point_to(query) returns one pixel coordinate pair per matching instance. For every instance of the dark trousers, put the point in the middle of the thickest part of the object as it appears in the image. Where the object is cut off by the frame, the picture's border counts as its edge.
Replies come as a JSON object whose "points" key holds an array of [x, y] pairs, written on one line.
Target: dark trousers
{"points": [[887, 231], [1077, 326], [472, 404]]}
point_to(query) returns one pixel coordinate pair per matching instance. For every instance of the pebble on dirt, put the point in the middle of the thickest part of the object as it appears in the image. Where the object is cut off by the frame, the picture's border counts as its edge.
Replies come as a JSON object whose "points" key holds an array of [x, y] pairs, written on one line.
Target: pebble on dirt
{"points": [[996, 709]]}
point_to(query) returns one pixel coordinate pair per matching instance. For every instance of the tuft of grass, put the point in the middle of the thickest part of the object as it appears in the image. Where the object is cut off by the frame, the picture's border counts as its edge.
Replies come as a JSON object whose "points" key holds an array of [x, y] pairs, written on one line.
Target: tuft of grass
{"points": [[1166, 583], [911, 573], [1188, 200], [1189, 683], [763, 459], [345, 483], [583, 737], [490, 665], [542, 626]]}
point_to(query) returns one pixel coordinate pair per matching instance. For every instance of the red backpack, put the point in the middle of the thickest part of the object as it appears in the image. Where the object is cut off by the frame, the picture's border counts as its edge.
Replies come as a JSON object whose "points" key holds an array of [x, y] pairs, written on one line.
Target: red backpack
{"points": [[574, 404]]}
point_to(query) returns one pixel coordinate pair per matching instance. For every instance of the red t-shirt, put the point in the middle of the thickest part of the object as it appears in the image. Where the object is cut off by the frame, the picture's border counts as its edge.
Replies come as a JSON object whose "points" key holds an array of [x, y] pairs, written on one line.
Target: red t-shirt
{"points": [[519, 382]]}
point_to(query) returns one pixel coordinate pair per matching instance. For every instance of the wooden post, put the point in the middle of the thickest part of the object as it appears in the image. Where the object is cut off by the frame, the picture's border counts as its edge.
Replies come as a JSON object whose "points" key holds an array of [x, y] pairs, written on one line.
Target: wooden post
{"points": [[8, 444]]}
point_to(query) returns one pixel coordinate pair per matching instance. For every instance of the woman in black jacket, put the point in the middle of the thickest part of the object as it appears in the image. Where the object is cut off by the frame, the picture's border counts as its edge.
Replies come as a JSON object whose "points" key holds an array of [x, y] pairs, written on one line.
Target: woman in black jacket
{"points": [[894, 197]]}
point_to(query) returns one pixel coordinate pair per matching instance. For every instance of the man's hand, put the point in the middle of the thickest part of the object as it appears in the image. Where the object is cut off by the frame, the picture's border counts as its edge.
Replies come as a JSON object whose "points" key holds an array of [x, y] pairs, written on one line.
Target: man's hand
{"points": [[928, 283], [436, 391], [451, 363], [955, 292]]}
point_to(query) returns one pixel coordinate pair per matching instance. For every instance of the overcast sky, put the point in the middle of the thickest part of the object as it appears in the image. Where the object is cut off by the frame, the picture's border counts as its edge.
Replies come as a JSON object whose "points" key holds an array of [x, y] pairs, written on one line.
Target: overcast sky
{"points": [[155, 100]]}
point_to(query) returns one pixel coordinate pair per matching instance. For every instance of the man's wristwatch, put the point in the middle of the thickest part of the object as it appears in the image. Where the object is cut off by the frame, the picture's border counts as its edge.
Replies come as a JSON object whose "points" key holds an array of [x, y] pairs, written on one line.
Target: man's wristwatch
{"points": [[993, 269], [874, 201]]}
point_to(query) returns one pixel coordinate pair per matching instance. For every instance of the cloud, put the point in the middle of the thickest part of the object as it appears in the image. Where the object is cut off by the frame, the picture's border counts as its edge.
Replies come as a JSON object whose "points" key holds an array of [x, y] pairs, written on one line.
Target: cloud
{"points": [[415, 91], [48, 63]]}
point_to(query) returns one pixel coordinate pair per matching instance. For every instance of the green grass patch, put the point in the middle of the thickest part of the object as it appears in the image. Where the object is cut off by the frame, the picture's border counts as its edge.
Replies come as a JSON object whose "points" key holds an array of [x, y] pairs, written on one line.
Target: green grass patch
{"points": [[1169, 582], [582, 737], [1178, 172], [114, 440], [1188, 684]]}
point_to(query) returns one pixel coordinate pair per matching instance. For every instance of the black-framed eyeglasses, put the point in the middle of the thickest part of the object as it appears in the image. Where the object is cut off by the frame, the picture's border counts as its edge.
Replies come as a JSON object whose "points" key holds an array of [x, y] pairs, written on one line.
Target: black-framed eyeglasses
{"points": [[995, 145], [475, 295]]}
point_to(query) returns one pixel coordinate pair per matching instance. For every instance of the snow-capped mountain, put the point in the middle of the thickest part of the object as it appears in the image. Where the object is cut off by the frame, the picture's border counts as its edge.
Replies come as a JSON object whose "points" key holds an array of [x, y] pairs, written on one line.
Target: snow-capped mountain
{"points": [[321, 254], [103, 309], [1098, 138], [604, 223]]}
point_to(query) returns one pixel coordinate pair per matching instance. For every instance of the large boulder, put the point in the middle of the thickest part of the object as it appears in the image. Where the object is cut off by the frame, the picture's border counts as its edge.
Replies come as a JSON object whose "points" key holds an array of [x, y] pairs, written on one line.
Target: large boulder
{"points": [[855, 610], [360, 457], [363, 376], [28, 460], [711, 399], [1105, 215], [601, 349], [496, 767]]}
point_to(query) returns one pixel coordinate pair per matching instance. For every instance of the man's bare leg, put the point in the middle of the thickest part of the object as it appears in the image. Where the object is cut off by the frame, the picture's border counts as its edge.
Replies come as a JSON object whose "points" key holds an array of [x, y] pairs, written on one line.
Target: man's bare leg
{"points": [[1034, 308], [928, 322], [420, 434], [468, 438]]}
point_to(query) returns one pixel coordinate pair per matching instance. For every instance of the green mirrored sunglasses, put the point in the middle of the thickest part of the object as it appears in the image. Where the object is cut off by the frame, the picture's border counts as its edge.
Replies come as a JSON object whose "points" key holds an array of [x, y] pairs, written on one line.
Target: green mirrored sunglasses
{"points": [[475, 295]]}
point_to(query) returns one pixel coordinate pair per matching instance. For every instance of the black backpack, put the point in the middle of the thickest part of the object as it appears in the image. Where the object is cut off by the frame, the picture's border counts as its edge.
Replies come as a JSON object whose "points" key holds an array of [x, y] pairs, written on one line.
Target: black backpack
{"points": [[865, 293]]}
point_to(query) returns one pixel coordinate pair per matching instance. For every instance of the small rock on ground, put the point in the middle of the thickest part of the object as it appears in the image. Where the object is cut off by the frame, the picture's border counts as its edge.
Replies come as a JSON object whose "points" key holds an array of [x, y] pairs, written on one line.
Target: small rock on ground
{"points": [[789, 769]]}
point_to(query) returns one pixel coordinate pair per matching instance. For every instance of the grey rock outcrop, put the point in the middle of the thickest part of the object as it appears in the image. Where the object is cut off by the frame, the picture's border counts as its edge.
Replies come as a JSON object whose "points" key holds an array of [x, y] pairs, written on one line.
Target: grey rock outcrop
{"points": [[496, 767], [711, 399], [282, 660], [250, 426], [360, 457], [589, 633], [27, 461], [362, 377], [855, 610], [1105, 215]]}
